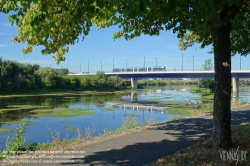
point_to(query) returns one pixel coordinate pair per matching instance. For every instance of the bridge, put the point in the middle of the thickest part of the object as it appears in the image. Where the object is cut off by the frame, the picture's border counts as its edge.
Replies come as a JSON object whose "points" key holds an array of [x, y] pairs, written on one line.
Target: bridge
{"points": [[135, 75], [136, 107]]}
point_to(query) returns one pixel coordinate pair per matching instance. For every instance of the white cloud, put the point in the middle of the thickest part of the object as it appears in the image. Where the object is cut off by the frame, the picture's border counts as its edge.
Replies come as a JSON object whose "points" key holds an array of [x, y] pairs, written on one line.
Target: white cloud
{"points": [[3, 45]]}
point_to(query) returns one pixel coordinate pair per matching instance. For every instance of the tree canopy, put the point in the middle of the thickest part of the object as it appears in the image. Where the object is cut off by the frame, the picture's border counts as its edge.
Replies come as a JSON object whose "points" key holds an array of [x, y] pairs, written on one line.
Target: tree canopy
{"points": [[55, 24]]}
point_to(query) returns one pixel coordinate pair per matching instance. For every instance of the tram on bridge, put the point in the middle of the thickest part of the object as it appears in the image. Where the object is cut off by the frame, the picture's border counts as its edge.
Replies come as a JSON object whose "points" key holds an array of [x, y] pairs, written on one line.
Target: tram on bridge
{"points": [[138, 69]]}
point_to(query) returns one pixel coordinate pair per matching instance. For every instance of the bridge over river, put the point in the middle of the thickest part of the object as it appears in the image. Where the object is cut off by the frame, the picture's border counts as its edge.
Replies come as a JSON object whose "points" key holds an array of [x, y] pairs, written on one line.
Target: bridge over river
{"points": [[135, 75]]}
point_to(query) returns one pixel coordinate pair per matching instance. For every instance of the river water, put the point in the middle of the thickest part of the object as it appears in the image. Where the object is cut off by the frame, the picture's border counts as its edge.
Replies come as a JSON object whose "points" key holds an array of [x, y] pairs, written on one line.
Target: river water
{"points": [[97, 112]]}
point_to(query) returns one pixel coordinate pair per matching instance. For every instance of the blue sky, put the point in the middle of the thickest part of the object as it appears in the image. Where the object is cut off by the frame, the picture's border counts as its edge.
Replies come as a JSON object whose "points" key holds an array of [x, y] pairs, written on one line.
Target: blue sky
{"points": [[99, 48]]}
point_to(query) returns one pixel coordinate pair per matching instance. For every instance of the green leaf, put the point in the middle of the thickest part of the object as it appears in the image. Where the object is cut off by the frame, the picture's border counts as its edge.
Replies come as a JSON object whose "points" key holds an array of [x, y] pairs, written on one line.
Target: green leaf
{"points": [[142, 7]]}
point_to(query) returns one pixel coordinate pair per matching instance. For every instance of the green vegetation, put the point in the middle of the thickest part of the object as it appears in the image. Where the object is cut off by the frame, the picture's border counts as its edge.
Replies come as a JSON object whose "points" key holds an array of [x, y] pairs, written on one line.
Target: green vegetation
{"points": [[207, 83], [21, 107], [194, 110], [19, 122], [129, 122], [4, 130], [17, 77], [222, 25], [16, 143], [200, 90], [155, 98], [108, 109], [202, 152], [211, 96], [164, 82], [168, 103], [70, 128], [244, 82], [27, 106], [8, 109], [61, 112]]}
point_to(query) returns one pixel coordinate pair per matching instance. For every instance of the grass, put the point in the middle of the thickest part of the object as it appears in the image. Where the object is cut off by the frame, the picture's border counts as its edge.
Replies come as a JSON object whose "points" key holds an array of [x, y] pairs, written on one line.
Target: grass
{"points": [[210, 96], [202, 153], [196, 98], [108, 109], [170, 103], [63, 93], [200, 90], [26, 106], [194, 110], [9, 109], [4, 130], [61, 112]]}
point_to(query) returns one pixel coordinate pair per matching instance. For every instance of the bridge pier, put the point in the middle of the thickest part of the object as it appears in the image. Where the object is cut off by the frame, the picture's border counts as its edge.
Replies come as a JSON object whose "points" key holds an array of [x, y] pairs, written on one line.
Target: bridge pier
{"points": [[133, 96], [134, 83], [235, 82], [235, 98]]}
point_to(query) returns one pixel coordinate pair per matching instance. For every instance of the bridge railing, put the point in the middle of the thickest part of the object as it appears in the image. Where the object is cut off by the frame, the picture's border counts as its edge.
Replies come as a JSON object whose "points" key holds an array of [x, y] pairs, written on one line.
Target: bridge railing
{"points": [[172, 70]]}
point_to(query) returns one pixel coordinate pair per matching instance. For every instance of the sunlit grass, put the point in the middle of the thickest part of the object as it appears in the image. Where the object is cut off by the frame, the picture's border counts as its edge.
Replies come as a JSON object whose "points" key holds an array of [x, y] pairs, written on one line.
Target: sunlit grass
{"points": [[200, 90], [9, 109], [208, 96], [170, 103]]}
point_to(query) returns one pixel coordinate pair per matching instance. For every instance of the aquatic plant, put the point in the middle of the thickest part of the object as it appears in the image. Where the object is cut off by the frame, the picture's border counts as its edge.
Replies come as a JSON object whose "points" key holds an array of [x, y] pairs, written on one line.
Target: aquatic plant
{"points": [[61, 112], [108, 109], [16, 143], [4, 130], [69, 128]]}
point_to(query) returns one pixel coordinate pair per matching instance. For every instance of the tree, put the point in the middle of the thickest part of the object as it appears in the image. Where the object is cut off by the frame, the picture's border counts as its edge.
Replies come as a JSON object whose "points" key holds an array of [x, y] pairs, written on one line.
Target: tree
{"points": [[208, 65], [224, 24], [207, 82], [47, 77], [63, 72]]}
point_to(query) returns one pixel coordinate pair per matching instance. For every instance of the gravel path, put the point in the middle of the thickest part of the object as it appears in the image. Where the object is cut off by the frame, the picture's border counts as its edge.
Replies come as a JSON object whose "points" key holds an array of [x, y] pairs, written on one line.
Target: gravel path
{"points": [[143, 146]]}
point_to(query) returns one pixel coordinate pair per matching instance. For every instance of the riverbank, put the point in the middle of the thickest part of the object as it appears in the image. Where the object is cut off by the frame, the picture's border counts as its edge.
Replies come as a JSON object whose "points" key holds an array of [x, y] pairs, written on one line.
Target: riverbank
{"points": [[62, 92]]}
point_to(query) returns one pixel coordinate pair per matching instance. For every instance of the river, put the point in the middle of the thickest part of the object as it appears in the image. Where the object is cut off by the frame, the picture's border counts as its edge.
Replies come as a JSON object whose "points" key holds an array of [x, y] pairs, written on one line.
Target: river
{"points": [[98, 112]]}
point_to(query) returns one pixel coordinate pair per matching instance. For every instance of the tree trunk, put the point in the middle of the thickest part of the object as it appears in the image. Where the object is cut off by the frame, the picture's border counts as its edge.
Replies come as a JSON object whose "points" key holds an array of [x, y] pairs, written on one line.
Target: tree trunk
{"points": [[222, 94]]}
